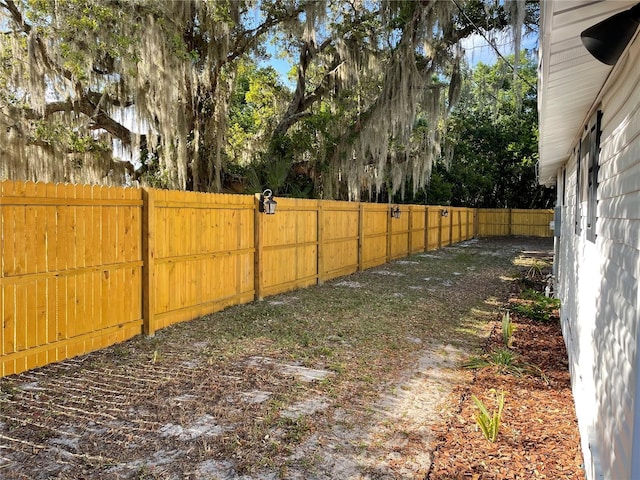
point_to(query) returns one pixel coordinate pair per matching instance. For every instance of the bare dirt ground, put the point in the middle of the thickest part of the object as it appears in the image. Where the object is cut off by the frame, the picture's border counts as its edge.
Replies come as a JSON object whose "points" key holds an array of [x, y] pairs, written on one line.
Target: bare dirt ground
{"points": [[359, 378]]}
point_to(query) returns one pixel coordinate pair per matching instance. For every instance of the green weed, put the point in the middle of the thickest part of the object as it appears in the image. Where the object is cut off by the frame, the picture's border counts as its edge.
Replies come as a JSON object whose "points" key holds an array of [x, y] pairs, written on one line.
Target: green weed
{"points": [[537, 306], [295, 429]]}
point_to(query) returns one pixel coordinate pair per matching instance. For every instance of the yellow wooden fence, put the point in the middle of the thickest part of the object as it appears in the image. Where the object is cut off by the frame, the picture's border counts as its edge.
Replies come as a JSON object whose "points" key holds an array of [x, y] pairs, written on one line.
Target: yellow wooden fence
{"points": [[71, 271], [339, 236], [287, 247], [506, 222], [199, 254], [85, 267]]}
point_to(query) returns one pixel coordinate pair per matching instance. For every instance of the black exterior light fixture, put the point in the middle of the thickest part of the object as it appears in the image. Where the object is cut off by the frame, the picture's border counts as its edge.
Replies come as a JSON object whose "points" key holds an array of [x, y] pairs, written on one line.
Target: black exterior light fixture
{"points": [[445, 212], [395, 212], [267, 203], [607, 40]]}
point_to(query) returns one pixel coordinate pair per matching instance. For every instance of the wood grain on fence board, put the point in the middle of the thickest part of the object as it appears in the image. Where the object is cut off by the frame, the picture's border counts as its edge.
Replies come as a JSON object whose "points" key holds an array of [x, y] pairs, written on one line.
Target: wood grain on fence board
{"points": [[67, 251]]}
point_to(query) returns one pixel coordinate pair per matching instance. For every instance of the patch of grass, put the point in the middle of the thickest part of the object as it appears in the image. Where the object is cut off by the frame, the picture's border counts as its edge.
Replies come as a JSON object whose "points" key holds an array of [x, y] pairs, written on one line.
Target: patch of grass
{"points": [[8, 388], [119, 350], [144, 472], [295, 429], [464, 258]]}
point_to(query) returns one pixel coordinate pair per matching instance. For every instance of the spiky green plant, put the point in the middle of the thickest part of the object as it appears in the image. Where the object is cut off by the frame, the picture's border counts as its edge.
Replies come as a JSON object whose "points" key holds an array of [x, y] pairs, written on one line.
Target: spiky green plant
{"points": [[489, 422], [535, 271], [505, 361], [508, 328]]}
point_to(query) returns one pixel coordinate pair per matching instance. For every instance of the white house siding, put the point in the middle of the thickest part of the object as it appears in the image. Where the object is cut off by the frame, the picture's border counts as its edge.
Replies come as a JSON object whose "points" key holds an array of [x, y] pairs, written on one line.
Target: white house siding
{"points": [[577, 282], [598, 286]]}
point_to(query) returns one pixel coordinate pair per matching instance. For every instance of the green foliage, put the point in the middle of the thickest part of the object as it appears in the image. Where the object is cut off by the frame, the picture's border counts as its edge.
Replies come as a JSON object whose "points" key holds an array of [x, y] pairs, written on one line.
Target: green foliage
{"points": [[365, 109], [59, 133], [489, 422], [505, 361], [508, 328], [252, 112], [537, 306], [494, 130]]}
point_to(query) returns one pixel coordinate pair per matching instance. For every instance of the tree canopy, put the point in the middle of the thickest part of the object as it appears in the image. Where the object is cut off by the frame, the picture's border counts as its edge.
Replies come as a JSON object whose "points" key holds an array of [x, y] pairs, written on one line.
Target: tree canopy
{"points": [[494, 131], [177, 94]]}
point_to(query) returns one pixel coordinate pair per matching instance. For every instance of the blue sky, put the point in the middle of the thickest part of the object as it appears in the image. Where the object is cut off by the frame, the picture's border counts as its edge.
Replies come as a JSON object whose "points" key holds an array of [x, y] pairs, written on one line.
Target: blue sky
{"points": [[478, 50]]}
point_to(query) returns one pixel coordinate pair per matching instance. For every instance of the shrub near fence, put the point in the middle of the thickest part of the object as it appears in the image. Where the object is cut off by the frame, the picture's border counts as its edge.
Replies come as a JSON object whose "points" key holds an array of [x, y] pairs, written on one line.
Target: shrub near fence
{"points": [[86, 267]]}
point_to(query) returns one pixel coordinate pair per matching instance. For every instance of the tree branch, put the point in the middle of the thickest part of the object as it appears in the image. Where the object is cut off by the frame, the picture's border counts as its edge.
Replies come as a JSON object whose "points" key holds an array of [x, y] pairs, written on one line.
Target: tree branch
{"points": [[249, 37], [98, 98], [301, 101], [99, 118], [16, 15]]}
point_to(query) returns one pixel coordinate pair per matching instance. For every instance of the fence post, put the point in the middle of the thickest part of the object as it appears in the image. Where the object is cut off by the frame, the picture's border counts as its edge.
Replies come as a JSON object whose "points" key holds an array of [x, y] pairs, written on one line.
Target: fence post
{"points": [[509, 220], [466, 224], [440, 228], [257, 258], [389, 227], [476, 222], [426, 228], [361, 237], [320, 238], [148, 256], [410, 227]]}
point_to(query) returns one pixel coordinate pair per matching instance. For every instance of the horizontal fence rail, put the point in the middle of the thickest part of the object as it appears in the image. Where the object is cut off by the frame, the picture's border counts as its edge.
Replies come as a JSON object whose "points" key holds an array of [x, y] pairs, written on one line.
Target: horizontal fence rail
{"points": [[84, 267]]}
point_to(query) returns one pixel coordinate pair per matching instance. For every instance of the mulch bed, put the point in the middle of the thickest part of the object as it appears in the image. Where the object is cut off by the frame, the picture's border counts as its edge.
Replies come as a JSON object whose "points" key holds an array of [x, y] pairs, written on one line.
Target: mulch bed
{"points": [[538, 437]]}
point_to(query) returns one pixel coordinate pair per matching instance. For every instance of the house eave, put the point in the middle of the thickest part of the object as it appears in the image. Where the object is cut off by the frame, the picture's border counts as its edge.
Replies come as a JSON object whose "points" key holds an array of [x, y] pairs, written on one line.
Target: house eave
{"points": [[569, 78]]}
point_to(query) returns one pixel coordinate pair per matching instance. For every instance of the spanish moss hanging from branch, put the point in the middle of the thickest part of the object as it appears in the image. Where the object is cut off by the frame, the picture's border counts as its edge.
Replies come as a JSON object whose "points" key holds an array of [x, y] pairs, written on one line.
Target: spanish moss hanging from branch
{"points": [[112, 92]]}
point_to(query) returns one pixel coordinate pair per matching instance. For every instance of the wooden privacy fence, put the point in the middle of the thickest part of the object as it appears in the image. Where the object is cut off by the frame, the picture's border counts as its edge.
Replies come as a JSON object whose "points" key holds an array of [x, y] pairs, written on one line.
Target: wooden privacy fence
{"points": [[496, 222], [84, 267], [198, 253], [71, 271]]}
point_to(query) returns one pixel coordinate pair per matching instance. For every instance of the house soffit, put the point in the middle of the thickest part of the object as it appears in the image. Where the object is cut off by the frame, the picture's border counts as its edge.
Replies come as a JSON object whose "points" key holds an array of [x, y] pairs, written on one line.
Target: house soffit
{"points": [[569, 78]]}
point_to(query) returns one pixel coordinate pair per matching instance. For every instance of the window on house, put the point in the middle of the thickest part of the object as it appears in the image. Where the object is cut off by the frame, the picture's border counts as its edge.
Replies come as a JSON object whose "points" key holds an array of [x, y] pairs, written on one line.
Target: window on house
{"points": [[563, 197], [587, 178], [578, 199], [592, 194]]}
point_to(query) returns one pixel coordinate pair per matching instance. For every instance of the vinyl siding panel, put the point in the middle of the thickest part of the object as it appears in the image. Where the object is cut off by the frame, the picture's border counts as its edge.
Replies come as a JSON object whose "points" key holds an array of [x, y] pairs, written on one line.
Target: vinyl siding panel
{"points": [[625, 231], [623, 206], [617, 175]]}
